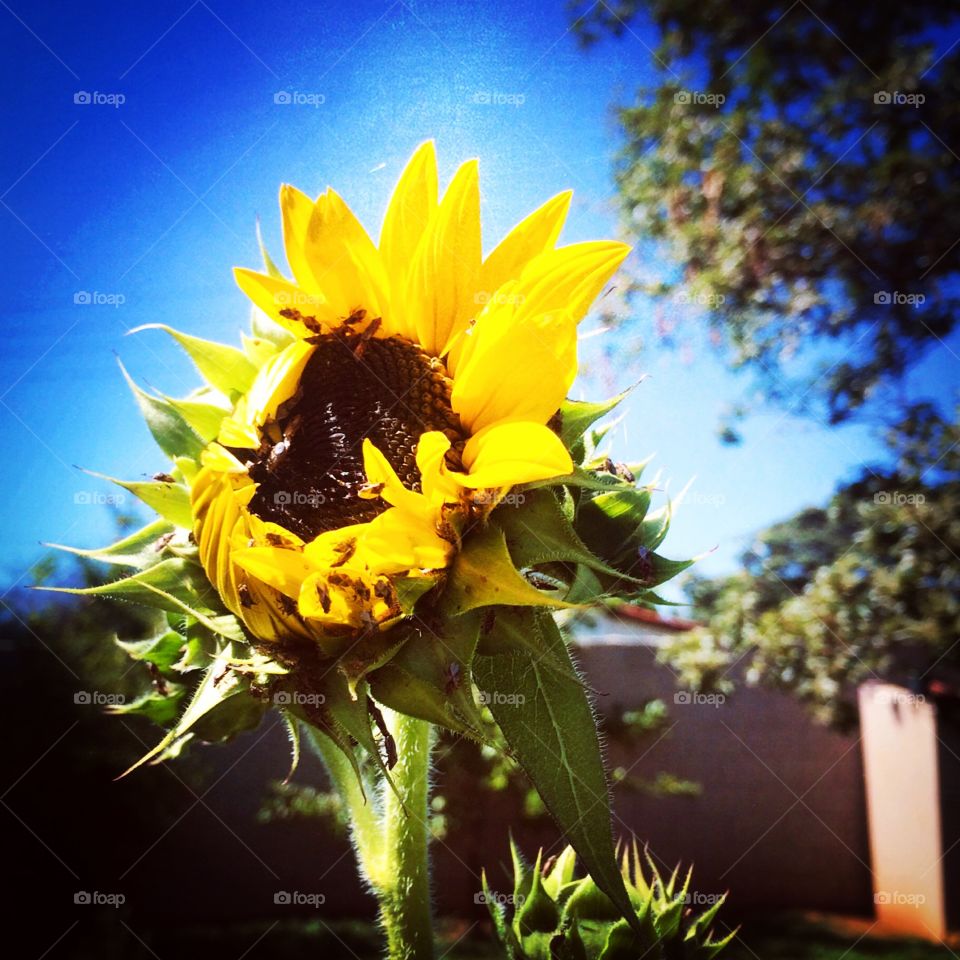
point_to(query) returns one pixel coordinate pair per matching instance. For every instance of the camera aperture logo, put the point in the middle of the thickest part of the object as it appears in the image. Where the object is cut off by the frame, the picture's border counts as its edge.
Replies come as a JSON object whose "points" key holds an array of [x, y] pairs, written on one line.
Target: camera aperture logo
{"points": [[295, 898]]}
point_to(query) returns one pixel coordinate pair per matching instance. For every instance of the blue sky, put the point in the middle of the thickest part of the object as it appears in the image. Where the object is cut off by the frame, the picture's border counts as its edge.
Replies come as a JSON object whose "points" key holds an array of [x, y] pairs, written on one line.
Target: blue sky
{"points": [[150, 202]]}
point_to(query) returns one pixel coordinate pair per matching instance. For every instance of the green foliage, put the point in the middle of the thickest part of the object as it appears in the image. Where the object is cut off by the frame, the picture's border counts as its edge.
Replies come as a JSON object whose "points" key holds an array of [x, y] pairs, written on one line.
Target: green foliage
{"points": [[867, 586], [798, 162], [552, 916]]}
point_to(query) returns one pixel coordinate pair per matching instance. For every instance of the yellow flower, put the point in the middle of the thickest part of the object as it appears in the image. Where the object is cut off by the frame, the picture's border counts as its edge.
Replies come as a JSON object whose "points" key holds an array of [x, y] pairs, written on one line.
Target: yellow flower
{"points": [[417, 388]]}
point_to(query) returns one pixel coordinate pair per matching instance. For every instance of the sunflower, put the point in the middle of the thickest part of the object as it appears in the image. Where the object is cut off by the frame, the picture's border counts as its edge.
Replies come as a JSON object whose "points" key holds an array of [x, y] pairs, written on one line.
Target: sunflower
{"points": [[417, 386]]}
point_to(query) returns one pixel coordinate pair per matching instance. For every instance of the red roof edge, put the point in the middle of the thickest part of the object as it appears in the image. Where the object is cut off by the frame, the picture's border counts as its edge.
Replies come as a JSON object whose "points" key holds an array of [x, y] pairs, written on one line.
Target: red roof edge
{"points": [[630, 611]]}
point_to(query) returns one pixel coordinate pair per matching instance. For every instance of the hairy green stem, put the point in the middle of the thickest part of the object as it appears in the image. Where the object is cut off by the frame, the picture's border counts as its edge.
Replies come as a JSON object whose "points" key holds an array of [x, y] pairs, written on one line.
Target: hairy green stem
{"points": [[405, 882], [391, 832]]}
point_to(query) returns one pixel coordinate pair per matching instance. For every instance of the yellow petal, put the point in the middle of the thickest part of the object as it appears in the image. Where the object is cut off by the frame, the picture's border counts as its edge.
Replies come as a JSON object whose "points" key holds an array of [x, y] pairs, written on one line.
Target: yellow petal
{"points": [[529, 238], [443, 275], [388, 486], [329, 603], [398, 541], [276, 381], [284, 570], [343, 260], [516, 366], [512, 453], [337, 548], [296, 208], [569, 278], [413, 204], [278, 297], [436, 485]]}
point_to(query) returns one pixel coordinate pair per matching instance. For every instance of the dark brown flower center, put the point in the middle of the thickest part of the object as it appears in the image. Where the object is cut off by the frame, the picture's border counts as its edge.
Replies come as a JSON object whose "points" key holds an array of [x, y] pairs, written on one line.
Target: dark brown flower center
{"points": [[310, 465]]}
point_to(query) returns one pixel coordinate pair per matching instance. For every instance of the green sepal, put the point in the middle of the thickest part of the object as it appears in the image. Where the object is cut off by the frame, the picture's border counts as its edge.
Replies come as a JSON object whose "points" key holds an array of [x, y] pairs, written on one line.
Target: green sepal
{"points": [[138, 549], [430, 676], [225, 368], [538, 913], [292, 725], [552, 733], [540, 532], [168, 585], [577, 416], [265, 328], [220, 707], [168, 651], [268, 263], [483, 574], [170, 499], [158, 707], [173, 434], [203, 418]]}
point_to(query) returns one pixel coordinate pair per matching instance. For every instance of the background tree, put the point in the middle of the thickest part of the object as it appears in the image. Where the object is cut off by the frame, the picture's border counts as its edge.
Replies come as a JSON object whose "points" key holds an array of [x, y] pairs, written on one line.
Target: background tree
{"points": [[866, 587], [799, 161]]}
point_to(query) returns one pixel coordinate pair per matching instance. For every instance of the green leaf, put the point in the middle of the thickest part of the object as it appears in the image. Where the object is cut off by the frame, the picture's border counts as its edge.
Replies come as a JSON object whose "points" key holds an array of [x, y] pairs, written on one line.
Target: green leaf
{"points": [[484, 574], [139, 549], [225, 368], [550, 728], [611, 523], [173, 434]]}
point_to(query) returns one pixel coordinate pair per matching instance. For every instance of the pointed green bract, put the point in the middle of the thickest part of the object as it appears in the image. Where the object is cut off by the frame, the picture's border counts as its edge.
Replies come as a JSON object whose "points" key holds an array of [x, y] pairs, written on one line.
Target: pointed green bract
{"points": [[483, 574], [577, 416], [168, 585], [225, 368], [168, 498], [586, 925], [138, 549], [173, 434]]}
